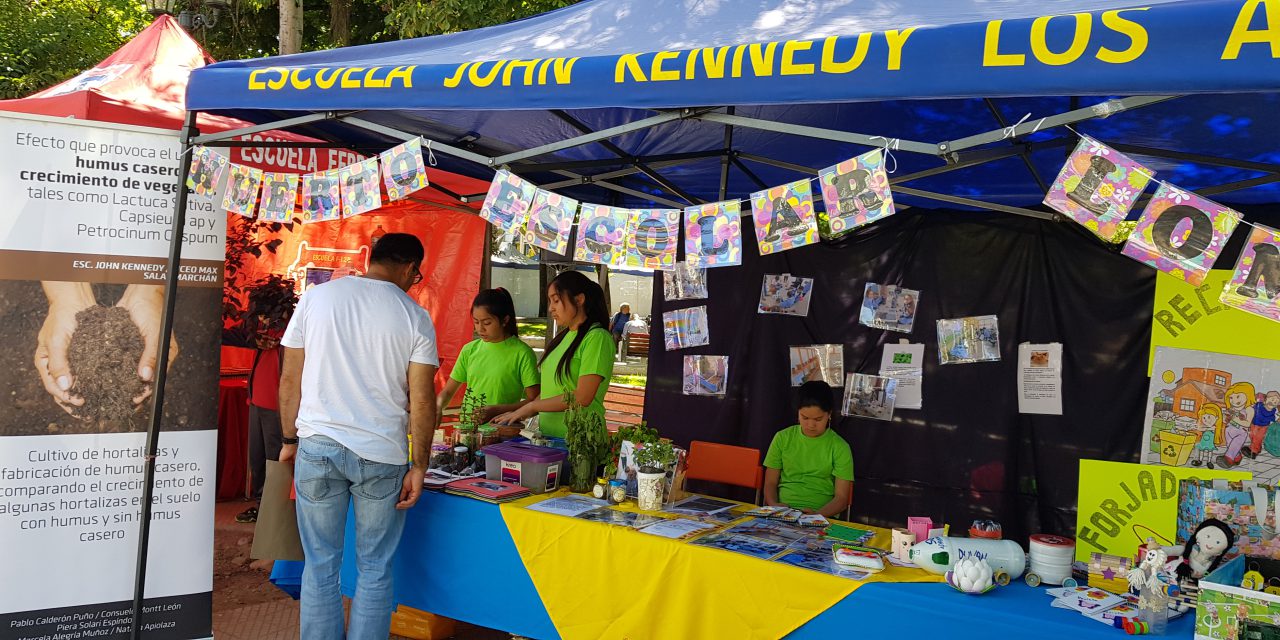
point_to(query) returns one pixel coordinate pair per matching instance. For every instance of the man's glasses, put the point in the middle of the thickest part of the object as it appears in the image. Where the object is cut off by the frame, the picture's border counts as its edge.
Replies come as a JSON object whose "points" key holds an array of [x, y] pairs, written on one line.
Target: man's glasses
{"points": [[417, 277]]}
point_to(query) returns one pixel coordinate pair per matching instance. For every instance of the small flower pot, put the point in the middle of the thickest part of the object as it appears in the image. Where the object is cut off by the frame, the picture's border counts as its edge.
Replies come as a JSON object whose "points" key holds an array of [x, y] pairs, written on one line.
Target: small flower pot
{"points": [[649, 490]]}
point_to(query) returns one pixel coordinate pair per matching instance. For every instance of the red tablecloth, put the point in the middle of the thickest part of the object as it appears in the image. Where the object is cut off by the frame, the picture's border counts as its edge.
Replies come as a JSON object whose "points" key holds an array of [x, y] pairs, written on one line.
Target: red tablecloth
{"points": [[233, 436]]}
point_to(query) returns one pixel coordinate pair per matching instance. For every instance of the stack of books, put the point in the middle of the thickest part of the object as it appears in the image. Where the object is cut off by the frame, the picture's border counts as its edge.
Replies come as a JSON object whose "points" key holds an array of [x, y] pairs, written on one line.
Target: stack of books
{"points": [[495, 491]]}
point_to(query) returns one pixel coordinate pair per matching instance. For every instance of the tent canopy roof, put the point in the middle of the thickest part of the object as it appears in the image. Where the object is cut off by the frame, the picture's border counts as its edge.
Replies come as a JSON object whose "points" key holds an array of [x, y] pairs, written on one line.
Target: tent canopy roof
{"points": [[927, 73]]}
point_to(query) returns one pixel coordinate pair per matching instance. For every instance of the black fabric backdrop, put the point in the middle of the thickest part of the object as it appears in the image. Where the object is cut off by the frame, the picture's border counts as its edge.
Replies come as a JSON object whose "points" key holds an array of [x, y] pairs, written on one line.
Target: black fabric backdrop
{"points": [[969, 453]]}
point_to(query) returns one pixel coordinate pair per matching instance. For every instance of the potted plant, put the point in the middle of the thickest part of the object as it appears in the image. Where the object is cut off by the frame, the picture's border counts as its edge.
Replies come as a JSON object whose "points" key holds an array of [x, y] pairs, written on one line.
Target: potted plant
{"points": [[635, 434], [588, 442], [469, 419], [653, 458]]}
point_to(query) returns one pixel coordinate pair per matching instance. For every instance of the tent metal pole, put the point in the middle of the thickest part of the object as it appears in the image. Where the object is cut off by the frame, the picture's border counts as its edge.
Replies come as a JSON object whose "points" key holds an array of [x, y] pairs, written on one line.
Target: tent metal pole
{"points": [[442, 205], [1100, 110], [282, 144], [1194, 157], [603, 134], [436, 145], [1026, 153], [969, 202], [724, 161], [742, 166], [974, 158], [618, 151], [627, 171], [1239, 184], [781, 164], [652, 161], [816, 132], [621, 189], [189, 131], [270, 126]]}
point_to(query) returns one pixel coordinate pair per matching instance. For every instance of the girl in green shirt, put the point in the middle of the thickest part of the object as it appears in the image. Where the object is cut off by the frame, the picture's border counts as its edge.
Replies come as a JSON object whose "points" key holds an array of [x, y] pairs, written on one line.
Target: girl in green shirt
{"points": [[579, 360], [809, 466], [497, 363]]}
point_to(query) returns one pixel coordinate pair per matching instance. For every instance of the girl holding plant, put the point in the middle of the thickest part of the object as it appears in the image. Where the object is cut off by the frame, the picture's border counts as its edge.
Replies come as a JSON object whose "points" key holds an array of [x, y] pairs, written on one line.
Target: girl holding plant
{"points": [[496, 364]]}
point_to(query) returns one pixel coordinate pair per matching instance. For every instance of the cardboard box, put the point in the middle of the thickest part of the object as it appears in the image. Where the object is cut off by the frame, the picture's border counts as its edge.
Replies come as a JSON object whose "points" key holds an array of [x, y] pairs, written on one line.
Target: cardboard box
{"points": [[1227, 611], [420, 625]]}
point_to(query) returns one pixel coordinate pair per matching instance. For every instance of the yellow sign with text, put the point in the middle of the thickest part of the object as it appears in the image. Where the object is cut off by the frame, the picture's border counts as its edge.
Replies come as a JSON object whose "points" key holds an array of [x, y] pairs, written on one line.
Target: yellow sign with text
{"points": [[1187, 316], [1119, 504]]}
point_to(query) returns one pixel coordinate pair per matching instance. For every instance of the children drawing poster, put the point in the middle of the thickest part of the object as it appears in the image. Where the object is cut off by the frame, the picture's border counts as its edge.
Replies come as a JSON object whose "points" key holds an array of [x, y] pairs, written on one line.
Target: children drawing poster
{"points": [[507, 202], [242, 190], [974, 339], [869, 396], [1255, 284], [651, 238], [785, 294], [886, 306], [361, 192], [1181, 233], [1215, 411], [784, 217], [550, 220], [713, 234], [684, 328], [823, 362], [601, 235], [1097, 187], [279, 196], [207, 168], [684, 282], [705, 375], [403, 171], [320, 199], [856, 192]]}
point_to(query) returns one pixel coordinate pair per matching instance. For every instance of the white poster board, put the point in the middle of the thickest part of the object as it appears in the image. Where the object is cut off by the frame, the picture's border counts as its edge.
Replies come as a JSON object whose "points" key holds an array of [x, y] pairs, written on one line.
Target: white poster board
{"points": [[904, 362], [1040, 378]]}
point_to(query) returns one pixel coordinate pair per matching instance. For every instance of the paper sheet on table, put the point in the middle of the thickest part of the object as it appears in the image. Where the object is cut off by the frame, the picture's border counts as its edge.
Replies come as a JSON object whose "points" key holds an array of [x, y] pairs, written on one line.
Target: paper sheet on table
{"points": [[905, 363], [1040, 378]]}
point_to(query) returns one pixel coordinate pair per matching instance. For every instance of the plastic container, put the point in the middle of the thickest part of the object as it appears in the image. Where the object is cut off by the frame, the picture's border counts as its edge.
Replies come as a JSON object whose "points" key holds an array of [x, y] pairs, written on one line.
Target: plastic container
{"points": [[938, 554], [534, 467]]}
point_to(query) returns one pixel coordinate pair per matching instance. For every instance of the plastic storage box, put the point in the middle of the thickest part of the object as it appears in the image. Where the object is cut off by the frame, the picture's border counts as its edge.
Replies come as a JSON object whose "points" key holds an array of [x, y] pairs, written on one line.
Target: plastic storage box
{"points": [[531, 466]]}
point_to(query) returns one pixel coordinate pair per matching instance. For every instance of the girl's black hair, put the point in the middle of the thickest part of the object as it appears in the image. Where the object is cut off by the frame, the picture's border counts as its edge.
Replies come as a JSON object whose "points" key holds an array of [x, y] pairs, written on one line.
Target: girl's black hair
{"points": [[1183, 569], [569, 285], [815, 393], [499, 304]]}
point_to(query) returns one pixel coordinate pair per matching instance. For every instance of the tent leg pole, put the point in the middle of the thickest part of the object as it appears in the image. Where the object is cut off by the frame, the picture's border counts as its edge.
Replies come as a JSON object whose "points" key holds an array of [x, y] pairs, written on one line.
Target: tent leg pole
{"points": [[189, 131], [724, 162]]}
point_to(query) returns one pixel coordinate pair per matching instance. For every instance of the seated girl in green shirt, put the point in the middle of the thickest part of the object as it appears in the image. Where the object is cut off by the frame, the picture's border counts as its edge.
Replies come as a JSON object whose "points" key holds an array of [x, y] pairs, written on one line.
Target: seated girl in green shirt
{"points": [[497, 364], [809, 466], [579, 360]]}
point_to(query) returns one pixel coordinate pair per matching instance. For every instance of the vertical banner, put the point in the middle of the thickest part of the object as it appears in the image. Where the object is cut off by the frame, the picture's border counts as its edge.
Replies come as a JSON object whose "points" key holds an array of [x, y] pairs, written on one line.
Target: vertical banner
{"points": [[1181, 233], [321, 201], [856, 192], [1255, 284], [651, 238], [242, 190], [1097, 187], [713, 234], [550, 221], [784, 217], [279, 196], [403, 171], [82, 265], [600, 235], [507, 203], [360, 190]]}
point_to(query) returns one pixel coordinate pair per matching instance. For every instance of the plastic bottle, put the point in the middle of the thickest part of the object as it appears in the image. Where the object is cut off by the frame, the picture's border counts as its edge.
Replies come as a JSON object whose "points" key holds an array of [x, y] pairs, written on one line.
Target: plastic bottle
{"points": [[939, 554]]}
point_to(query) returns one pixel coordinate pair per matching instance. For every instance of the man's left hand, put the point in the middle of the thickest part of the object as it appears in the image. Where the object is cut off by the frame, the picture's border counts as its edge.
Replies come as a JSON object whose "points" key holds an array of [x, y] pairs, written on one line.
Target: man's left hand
{"points": [[411, 490]]}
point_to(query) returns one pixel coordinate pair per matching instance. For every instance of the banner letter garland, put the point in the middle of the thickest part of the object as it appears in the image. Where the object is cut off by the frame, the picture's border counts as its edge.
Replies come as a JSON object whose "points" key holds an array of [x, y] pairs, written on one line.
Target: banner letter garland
{"points": [[713, 234], [1181, 233], [1255, 284], [856, 192], [1097, 187]]}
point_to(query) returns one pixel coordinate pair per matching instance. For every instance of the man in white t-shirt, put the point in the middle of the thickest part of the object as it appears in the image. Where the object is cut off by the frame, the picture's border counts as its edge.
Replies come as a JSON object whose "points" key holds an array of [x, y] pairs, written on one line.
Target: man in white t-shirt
{"points": [[359, 366]]}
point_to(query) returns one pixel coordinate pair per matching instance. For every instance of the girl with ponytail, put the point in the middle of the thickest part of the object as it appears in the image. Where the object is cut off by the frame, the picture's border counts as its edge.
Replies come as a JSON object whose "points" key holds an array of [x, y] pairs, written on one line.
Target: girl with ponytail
{"points": [[579, 359], [496, 363]]}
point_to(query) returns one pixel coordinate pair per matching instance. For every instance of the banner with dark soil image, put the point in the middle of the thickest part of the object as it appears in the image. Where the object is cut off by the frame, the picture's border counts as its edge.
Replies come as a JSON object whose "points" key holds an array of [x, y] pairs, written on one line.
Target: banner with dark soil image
{"points": [[84, 236]]}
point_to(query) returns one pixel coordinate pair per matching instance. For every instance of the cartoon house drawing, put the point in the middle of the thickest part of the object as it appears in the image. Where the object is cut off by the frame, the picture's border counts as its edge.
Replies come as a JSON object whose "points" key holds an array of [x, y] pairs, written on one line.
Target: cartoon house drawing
{"points": [[1198, 386]]}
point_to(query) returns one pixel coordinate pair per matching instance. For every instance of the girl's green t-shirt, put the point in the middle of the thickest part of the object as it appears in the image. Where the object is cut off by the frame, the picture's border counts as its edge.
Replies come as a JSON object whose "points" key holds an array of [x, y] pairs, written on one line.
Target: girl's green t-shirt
{"points": [[809, 466], [499, 370], [593, 356]]}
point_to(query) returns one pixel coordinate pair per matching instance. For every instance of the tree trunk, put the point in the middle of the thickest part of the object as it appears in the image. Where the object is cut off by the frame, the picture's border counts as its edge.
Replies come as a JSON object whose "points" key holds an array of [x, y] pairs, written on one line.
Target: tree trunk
{"points": [[602, 277], [544, 279], [340, 22], [290, 26]]}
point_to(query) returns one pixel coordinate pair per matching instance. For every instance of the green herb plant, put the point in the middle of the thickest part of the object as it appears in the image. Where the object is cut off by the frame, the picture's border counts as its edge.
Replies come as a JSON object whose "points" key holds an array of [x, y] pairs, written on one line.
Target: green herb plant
{"points": [[588, 442], [635, 434], [655, 457]]}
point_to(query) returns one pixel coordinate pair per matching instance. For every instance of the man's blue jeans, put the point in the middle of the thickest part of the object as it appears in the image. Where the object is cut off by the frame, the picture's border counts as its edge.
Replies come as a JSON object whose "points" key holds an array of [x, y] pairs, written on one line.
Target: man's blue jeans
{"points": [[329, 477]]}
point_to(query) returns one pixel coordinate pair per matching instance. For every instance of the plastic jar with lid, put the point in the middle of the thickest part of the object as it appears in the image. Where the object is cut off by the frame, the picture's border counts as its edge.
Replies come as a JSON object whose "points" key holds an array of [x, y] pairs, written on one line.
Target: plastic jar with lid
{"points": [[489, 435], [617, 491]]}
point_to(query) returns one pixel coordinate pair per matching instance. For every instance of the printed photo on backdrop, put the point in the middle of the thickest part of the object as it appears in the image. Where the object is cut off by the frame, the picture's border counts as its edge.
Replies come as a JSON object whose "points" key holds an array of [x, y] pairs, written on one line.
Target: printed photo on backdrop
{"points": [[403, 171], [713, 234], [684, 328], [973, 339], [550, 221], [1255, 283], [886, 306], [1097, 187], [507, 202], [1181, 233], [785, 294], [856, 192], [784, 217], [601, 235], [869, 396], [320, 199], [279, 196], [705, 375], [823, 362], [684, 282], [361, 192], [651, 238]]}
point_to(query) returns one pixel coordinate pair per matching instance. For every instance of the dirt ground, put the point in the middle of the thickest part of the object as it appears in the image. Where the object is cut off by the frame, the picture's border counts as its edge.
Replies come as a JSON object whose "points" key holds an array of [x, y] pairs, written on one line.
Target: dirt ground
{"points": [[237, 580]]}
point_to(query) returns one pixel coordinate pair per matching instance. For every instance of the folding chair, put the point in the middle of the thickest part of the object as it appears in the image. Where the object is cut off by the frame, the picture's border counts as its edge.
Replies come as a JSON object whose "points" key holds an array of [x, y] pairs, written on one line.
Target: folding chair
{"points": [[727, 464]]}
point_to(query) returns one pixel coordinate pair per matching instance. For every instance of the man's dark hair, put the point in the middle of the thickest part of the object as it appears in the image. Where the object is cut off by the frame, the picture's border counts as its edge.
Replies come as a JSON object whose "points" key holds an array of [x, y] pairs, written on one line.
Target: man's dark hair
{"points": [[397, 249]]}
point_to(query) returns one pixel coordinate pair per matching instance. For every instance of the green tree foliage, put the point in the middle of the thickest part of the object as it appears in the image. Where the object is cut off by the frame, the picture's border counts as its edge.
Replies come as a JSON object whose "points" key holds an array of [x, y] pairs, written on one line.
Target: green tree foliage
{"points": [[43, 42], [416, 18]]}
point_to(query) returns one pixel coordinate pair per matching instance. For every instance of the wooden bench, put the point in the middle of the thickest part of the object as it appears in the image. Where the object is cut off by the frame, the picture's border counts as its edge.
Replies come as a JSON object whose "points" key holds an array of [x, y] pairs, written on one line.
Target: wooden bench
{"points": [[623, 405], [638, 345]]}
